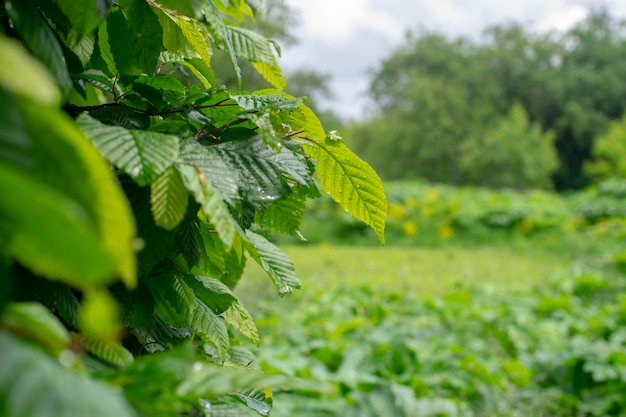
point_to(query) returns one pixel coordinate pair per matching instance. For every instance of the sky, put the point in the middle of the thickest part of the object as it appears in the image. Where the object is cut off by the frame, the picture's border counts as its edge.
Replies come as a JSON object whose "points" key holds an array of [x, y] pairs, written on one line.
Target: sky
{"points": [[346, 39]]}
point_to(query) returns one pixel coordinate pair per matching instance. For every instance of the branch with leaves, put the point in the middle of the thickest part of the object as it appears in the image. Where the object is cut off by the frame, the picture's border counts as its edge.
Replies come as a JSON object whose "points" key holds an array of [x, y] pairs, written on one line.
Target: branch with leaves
{"points": [[136, 189]]}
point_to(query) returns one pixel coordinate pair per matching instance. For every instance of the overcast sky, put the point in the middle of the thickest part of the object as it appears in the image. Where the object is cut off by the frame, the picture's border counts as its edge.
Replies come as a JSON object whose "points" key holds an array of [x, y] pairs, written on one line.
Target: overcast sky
{"points": [[347, 38]]}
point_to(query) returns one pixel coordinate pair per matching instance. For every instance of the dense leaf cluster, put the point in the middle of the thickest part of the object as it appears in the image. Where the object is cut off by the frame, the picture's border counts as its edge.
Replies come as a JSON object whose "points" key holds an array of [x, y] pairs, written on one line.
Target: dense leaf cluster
{"points": [[134, 188]]}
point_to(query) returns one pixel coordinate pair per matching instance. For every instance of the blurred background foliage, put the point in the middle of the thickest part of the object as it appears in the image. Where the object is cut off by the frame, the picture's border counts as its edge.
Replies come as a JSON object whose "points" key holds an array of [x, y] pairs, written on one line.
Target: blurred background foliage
{"points": [[445, 110], [501, 289]]}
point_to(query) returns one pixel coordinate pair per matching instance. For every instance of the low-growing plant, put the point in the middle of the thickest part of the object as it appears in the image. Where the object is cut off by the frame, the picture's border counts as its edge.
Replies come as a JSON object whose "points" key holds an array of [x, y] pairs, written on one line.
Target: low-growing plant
{"points": [[555, 349], [425, 214]]}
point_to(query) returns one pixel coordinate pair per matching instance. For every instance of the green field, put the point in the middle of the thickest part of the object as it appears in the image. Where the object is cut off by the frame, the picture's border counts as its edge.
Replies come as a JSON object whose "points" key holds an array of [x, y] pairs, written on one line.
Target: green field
{"points": [[485, 331], [429, 271], [506, 305]]}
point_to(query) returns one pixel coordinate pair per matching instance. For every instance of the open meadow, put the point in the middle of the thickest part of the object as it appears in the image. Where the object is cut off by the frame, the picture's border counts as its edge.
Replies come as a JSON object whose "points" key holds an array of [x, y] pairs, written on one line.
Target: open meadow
{"points": [[511, 307]]}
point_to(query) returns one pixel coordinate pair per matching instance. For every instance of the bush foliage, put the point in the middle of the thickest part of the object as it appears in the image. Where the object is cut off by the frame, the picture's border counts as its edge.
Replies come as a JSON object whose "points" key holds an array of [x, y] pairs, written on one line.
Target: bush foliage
{"points": [[134, 190]]}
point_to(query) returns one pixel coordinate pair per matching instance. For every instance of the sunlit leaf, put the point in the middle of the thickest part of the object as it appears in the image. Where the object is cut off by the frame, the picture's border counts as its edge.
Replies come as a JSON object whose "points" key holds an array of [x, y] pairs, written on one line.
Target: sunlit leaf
{"points": [[349, 180], [21, 73], [89, 220], [99, 316], [193, 33], [238, 317], [255, 48], [272, 73]]}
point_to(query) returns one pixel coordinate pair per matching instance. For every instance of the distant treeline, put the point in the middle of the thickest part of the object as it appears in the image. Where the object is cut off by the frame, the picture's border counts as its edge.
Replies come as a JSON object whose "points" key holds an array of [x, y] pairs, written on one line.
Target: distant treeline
{"points": [[516, 109]]}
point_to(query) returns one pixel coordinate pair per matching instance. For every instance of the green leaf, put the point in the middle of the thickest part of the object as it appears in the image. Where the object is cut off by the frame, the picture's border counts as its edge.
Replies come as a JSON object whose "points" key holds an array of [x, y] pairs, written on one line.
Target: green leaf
{"points": [[177, 302], [274, 262], [211, 292], [137, 305], [256, 48], [195, 35], [221, 37], [210, 199], [266, 129], [213, 168], [234, 8], [35, 322], [81, 45], [272, 73], [305, 119], [34, 384], [189, 242], [256, 400], [263, 100], [83, 15], [351, 182], [122, 116], [80, 229], [40, 39], [238, 317], [170, 383], [168, 57], [156, 240], [284, 215], [243, 357], [64, 247], [135, 37], [99, 315], [22, 74], [168, 199], [261, 168], [105, 49], [108, 351], [219, 261], [143, 155], [160, 91]]}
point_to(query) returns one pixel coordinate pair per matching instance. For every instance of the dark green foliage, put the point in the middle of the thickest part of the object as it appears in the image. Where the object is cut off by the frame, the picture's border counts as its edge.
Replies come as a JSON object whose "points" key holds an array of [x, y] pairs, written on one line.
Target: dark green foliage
{"points": [[134, 190]]}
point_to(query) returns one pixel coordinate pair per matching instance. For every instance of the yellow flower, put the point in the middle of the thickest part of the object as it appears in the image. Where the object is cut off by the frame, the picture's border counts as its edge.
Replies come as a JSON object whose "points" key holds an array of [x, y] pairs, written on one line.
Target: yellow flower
{"points": [[432, 195], [526, 226], [411, 202], [428, 210], [396, 212], [445, 231], [409, 228]]}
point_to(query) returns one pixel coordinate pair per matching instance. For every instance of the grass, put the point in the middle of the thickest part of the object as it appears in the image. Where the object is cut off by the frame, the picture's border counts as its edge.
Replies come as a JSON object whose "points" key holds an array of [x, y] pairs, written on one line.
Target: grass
{"points": [[421, 270]]}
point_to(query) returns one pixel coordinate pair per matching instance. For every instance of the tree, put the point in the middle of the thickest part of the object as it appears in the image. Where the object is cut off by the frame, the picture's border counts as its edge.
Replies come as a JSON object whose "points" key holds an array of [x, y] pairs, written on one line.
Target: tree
{"points": [[133, 192], [434, 93], [609, 153], [512, 154]]}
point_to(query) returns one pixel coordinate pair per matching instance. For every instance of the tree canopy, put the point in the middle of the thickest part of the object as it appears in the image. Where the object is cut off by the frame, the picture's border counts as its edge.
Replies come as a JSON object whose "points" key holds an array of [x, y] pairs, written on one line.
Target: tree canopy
{"points": [[435, 95]]}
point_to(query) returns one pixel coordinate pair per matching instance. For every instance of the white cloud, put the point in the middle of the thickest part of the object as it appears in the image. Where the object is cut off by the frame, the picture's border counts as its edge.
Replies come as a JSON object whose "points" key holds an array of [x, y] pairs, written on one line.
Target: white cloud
{"points": [[338, 20], [346, 38], [563, 18]]}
